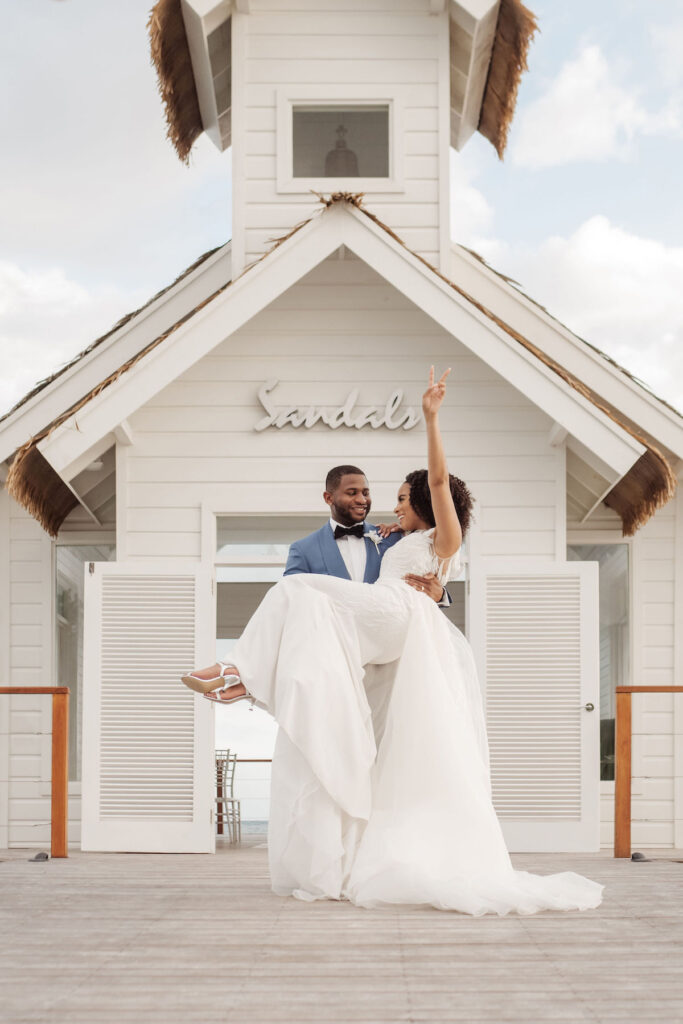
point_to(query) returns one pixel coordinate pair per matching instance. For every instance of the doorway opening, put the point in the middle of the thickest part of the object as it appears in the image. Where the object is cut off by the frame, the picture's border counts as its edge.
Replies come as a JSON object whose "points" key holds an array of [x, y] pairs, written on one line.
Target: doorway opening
{"points": [[615, 642]]}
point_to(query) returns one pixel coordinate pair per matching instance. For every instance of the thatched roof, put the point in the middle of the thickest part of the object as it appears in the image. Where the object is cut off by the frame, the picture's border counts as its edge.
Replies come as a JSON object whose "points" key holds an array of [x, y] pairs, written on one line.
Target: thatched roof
{"points": [[514, 31], [171, 58], [40, 490], [515, 28], [647, 486]]}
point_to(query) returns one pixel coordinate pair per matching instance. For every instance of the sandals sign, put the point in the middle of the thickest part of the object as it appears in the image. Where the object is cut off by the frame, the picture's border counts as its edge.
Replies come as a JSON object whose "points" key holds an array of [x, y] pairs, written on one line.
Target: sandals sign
{"points": [[389, 415]]}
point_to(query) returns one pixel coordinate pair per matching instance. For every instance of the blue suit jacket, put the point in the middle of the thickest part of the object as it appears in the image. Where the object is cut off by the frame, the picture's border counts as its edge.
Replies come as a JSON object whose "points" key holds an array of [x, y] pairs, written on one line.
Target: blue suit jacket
{"points": [[319, 553]]}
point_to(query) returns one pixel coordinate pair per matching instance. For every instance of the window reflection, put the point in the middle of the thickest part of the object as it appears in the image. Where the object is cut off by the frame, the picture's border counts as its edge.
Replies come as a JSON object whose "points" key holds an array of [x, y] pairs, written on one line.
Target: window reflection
{"points": [[70, 561], [331, 141]]}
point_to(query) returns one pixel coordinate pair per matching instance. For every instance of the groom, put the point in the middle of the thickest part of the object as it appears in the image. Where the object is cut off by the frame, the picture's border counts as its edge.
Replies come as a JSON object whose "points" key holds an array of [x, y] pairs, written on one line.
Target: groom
{"points": [[344, 547]]}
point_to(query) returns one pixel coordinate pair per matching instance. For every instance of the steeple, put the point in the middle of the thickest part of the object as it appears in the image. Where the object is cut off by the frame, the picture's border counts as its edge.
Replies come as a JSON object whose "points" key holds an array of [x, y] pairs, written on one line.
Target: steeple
{"points": [[346, 95]]}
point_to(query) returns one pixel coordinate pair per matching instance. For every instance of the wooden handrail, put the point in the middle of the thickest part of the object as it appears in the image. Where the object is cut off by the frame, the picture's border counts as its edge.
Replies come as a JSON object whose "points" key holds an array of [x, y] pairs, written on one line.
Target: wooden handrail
{"points": [[622, 786], [59, 824]]}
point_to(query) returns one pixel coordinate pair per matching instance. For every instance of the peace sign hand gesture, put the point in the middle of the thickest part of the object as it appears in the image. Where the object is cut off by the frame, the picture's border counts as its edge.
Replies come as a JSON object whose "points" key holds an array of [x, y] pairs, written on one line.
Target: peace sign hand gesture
{"points": [[435, 393]]}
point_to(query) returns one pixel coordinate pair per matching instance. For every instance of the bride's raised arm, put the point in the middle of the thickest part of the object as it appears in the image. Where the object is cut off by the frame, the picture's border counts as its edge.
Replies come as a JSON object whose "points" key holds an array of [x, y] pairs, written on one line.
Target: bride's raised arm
{"points": [[448, 535]]}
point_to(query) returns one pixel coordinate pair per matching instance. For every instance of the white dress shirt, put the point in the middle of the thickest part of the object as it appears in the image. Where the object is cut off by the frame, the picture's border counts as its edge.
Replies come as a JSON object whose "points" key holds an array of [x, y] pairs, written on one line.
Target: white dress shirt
{"points": [[352, 550]]}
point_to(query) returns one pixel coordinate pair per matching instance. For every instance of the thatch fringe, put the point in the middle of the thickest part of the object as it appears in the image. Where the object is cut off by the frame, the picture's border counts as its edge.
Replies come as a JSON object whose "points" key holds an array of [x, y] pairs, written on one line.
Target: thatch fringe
{"points": [[648, 485], [515, 28], [33, 483], [514, 31], [171, 58]]}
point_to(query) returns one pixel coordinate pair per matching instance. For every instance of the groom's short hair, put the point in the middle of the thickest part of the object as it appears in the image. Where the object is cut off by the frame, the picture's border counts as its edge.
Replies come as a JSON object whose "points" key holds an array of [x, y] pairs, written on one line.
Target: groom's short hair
{"points": [[333, 478]]}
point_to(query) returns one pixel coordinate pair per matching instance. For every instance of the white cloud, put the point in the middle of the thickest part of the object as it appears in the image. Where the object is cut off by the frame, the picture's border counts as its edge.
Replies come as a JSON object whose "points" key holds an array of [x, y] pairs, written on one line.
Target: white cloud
{"points": [[47, 319], [89, 180], [619, 291], [586, 115], [667, 41], [471, 212]]}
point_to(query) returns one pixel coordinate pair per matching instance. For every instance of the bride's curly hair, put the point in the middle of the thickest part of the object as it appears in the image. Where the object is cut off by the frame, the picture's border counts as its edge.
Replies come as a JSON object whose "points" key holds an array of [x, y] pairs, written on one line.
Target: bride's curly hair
{"points": [[421, 499]]}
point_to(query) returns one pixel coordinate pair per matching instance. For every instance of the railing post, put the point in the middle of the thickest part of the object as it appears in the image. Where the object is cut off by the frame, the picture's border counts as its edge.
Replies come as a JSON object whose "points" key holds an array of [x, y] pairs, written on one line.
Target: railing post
{"points": [[622, 787], [60, 774]]}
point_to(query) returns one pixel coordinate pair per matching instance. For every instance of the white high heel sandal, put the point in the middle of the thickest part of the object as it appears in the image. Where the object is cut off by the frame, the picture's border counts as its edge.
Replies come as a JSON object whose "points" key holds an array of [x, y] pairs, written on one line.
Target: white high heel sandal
{"points": [[206, 685], [217, 699]]}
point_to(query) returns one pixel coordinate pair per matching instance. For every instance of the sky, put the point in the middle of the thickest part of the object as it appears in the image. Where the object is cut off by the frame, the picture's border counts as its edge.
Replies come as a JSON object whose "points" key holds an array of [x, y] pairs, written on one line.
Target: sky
{"points": [[97, 213]]}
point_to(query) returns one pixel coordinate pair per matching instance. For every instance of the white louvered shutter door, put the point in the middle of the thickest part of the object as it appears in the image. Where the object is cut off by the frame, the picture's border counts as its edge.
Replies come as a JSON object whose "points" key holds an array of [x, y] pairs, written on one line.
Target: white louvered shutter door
{"points": [[147, 740], [535, 635]]}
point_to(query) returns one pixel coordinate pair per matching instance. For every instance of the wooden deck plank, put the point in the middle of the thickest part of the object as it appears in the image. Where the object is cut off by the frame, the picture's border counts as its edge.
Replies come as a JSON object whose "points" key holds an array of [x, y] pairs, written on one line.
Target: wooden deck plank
{"points": [[105, 938]]}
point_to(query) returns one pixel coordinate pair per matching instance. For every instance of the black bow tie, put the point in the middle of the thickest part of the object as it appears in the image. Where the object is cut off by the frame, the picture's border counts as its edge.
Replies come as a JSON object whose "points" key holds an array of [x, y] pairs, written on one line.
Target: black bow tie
{"points": [[349, 531]]}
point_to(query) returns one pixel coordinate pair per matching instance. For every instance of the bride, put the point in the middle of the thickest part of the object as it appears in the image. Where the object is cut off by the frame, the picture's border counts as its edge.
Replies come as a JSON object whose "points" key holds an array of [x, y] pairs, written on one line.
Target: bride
{"points": [[380, 790]]}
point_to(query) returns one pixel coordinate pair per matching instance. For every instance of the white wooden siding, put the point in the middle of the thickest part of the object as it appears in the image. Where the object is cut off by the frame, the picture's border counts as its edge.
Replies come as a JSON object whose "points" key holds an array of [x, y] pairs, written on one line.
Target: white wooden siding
{"points": [[30, 663], [654, 568], [340, 327], [26, 720], [383, 46], [654, 553]]}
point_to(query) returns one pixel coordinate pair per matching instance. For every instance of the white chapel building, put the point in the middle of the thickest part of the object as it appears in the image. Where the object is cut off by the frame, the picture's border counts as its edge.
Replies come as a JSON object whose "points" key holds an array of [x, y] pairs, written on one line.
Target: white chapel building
{"points": [[152, 486]]}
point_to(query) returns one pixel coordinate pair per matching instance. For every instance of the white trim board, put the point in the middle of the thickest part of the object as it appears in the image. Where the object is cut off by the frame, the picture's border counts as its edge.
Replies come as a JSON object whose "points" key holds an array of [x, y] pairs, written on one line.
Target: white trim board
{"points": [[200, 19]]}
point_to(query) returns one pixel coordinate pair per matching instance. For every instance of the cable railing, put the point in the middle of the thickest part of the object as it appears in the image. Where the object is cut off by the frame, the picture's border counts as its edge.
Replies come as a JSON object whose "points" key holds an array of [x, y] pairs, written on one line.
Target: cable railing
{"points": [[59, 814]]}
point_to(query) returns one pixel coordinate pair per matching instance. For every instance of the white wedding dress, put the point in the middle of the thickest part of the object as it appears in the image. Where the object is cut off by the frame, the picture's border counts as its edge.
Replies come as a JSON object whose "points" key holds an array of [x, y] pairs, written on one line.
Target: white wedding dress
{"points": [[380, 789]]}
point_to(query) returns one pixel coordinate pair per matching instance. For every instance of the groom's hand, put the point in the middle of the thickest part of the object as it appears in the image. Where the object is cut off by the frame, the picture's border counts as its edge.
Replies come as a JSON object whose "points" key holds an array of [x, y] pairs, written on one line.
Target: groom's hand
{"points": [[428, 585]]}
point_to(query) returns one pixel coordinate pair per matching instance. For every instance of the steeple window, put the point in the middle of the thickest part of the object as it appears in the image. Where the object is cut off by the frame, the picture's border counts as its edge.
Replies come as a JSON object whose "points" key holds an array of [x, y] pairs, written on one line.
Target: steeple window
{"points": [[330, 141], [329, 138]]}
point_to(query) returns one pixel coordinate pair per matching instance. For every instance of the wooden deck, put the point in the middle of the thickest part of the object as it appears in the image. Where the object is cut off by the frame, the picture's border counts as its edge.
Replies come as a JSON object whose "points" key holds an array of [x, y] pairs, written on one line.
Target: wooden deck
{"points": [[141, 939]]}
